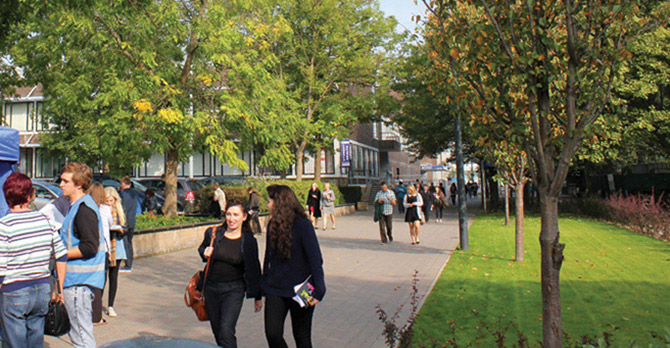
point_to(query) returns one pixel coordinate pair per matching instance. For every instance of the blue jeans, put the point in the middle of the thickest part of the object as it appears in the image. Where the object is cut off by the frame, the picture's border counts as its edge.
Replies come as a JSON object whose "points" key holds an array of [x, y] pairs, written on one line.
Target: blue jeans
{"points": [[79, 305], [23, 313], [223, 302]]}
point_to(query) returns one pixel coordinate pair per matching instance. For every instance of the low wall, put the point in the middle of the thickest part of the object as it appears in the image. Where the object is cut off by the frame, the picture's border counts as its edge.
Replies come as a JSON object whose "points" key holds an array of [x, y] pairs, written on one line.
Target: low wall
{"points": [[167, 239]]}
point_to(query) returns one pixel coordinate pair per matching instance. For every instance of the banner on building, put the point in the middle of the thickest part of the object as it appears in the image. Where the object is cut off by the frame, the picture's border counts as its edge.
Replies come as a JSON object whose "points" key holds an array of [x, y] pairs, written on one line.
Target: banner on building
{"points": [[345, 153]]}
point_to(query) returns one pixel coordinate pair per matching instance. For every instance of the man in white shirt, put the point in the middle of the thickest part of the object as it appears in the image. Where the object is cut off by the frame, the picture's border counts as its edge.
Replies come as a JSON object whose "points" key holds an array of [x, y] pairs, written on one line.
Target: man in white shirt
{"points": [[220, 197]]}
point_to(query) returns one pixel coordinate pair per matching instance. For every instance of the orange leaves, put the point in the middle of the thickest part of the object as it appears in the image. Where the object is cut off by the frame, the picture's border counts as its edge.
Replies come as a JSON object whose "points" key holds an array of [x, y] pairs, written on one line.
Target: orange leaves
{"points": [[454, 53]]}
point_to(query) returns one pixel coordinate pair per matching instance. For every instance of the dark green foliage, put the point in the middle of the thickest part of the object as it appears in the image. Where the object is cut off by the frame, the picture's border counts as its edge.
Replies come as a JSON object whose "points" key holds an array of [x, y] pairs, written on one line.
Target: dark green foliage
{"points": [[351, 194]]}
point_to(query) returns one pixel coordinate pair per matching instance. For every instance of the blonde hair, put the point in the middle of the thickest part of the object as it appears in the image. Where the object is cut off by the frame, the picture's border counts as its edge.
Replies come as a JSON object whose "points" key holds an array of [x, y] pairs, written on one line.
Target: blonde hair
{"points": [[117, 207], [411, 190]]}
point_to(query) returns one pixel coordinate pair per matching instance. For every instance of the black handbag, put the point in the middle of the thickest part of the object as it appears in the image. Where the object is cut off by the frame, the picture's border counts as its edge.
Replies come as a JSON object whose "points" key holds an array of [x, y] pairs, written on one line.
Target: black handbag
{"points": [[57, 322]]}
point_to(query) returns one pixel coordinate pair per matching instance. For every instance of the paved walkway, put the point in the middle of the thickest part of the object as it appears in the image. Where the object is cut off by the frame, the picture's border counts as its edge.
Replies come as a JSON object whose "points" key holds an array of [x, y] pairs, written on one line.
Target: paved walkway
{"points": [[360, 274]]}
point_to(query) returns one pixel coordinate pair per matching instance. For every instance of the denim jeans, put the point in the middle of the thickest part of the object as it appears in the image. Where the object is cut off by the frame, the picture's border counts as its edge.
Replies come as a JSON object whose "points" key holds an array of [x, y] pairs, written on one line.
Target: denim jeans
{"points": [[79, 305], [23, 313], [223, 302], [128, 243]]}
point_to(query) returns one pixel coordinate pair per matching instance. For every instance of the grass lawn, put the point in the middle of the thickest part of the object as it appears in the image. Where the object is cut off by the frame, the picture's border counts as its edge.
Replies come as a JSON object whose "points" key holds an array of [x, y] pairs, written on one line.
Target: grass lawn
{"points": [[611, 278]]}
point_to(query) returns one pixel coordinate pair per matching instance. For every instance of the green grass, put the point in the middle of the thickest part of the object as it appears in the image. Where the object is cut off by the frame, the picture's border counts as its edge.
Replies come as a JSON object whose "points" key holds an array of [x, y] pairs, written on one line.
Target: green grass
{"points": [[611, 277]]}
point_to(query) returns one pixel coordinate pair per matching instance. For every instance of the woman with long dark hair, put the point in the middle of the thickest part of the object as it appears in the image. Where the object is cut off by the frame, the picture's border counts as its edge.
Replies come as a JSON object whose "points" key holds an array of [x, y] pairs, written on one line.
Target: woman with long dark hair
{"points": [[233, 271], [314, 204], [292, 255]]}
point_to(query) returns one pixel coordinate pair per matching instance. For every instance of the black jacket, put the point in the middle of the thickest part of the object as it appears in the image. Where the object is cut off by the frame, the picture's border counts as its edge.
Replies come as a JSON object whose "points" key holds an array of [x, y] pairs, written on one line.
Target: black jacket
{"points": [[252, 267]]}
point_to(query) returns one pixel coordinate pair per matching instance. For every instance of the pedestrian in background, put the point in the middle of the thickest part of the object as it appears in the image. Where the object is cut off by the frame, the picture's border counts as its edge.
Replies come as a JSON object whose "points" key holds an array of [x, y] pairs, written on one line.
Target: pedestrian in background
{"points": [[292, 255], [220, 198], [413, 202], [27, 240], [400, 193], [82, 235], [328, 206], [314, 204], [117, 251], [427, 198], [129, 200], [254, 209], [387, 199], [234, 271], [97, 192], [440, 203]]}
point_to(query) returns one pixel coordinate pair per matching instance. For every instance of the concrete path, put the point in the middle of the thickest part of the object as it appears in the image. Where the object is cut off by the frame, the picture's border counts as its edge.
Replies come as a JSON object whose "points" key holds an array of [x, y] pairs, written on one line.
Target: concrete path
{"points": [[360, 274]]}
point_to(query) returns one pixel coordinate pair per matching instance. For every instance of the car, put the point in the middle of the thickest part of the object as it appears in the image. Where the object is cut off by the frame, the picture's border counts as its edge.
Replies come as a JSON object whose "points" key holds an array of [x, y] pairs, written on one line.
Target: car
{"points": [[45, 193], [186, 189]]}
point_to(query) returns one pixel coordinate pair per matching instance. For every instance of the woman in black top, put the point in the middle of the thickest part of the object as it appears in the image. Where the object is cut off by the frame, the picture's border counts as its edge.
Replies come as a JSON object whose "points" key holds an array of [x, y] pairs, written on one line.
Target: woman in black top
{"points": [[292, 255], [233, 271], [314, 204]]}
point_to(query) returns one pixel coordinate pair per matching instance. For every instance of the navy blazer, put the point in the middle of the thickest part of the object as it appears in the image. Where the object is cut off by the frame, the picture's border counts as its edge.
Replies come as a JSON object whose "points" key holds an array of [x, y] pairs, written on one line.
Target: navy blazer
{"points": [[252, 267]]}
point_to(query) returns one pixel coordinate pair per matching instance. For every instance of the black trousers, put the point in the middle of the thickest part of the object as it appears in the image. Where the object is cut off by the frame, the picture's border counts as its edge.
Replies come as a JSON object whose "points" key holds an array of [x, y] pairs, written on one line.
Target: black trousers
{"points": [[276, 309], [386, 227], [128, 243], [254, 223], [113, 273], [223, 302]]}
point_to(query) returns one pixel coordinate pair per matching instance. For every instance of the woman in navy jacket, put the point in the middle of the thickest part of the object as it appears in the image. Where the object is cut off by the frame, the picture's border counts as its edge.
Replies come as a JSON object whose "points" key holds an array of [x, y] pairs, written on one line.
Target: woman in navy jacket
{"points": [[292, 255], [234, 271]]}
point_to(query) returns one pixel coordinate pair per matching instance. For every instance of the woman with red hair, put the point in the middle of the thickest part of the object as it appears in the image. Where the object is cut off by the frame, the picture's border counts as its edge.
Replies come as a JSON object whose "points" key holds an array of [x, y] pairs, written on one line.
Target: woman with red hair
{"points": [[26, 243]]}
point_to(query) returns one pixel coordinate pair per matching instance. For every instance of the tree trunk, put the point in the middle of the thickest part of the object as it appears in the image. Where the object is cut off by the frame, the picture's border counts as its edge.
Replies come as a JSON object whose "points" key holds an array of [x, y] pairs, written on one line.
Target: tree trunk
{"points": [[299, 160], [483, 184], [460, 179], [506, 188], [171, 165], [552, 259], [518, 221], [317, 165]]}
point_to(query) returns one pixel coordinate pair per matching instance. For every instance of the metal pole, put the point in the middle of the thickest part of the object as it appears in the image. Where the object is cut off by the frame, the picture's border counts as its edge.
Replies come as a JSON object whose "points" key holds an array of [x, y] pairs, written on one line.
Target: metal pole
{"points": [[462, 199]]}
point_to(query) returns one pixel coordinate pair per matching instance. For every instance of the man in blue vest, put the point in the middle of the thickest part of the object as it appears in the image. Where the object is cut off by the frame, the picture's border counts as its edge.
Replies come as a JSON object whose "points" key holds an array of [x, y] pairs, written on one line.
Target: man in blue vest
{"points": [[81, 232]]}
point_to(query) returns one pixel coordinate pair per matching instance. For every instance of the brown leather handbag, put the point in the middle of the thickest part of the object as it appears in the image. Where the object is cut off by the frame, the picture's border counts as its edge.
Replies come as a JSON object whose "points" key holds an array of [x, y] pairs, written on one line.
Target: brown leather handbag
{"points": [[194, 297]]}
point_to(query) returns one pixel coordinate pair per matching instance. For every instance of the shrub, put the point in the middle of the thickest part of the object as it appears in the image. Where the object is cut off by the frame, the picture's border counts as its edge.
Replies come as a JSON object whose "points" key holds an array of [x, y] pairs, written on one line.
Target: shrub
{"points": [[149, 220], [640, 213], [351, 194]]}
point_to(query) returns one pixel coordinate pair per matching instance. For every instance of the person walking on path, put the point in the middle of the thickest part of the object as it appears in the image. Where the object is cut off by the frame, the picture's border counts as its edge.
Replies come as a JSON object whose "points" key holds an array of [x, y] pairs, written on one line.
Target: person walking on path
{"points": [[234, 271], [254, 209], [400, 193], [82, 234], [117, 251], [328, 206], [413, 202], [292, 255], [129, 199], [220, 198], [440, 203], [387, 199], [427, 198], [97, 192], [27, 240], [452, 194], [314, 204]]}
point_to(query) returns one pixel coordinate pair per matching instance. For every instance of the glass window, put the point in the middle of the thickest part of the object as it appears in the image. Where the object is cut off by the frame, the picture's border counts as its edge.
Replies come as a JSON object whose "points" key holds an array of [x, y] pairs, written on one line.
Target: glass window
{"points": [[19, 116]]}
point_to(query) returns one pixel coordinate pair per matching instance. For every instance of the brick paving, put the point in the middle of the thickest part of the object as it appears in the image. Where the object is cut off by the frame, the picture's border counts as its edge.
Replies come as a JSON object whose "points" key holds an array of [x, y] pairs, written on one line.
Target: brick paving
{"points": [[360, 274]]}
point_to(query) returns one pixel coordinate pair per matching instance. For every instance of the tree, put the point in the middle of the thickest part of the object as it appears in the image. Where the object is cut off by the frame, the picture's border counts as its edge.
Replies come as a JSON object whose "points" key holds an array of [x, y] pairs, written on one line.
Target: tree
{"points": [[563, 55], [329, 63], [128, 78]]}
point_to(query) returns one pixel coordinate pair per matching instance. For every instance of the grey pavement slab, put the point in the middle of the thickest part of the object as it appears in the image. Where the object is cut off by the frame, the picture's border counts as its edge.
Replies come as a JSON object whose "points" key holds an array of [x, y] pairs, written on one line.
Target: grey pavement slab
{"points": [[360, 274]]}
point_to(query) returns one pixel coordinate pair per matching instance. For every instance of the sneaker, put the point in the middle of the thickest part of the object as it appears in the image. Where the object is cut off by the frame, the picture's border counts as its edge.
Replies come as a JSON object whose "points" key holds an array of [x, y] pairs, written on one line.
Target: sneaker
{"points": [[126, 270], [111, 312]]}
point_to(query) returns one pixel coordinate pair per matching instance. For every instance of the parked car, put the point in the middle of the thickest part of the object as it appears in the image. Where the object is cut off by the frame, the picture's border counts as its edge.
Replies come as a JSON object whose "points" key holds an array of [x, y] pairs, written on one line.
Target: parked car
{"points": [[45, 192], [186, 189], [106, 181]]}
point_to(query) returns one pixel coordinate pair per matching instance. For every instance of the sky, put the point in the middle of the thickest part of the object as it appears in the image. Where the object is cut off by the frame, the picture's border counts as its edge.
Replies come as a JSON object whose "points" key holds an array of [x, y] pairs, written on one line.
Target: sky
{"points": [[402, 10]]}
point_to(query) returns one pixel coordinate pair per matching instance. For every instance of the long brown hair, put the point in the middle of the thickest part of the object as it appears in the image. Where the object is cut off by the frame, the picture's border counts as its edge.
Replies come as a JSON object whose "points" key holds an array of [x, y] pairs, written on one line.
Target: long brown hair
{"points": [[285, 211]]}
